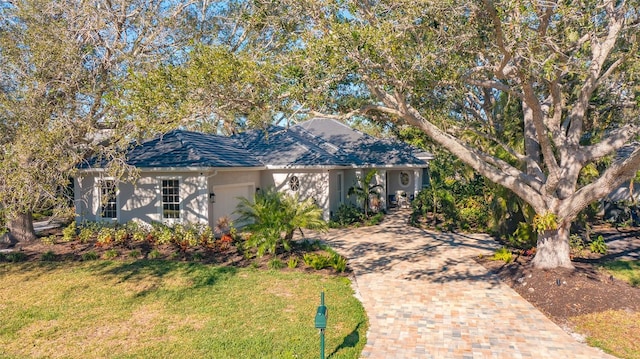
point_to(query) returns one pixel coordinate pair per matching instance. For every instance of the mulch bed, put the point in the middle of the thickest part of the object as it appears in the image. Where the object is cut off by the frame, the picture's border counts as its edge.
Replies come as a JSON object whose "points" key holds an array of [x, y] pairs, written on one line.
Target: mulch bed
{"points": [[75, 251], [564, 293]]}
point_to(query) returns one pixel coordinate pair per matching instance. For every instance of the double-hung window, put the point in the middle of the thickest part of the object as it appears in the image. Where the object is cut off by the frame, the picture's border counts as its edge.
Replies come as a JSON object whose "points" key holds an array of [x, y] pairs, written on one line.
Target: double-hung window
{"points": [[170, 199], [108, 200]]}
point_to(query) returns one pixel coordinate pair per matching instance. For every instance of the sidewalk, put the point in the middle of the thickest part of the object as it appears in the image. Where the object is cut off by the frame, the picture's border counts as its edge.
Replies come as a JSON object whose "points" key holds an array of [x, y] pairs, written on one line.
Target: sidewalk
{"points": [[426, 298]]}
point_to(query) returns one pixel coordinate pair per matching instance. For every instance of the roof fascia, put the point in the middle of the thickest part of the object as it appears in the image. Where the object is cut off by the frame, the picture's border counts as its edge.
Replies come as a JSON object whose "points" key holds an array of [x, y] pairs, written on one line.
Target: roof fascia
{"points": [[272, 167], [182, 169]]}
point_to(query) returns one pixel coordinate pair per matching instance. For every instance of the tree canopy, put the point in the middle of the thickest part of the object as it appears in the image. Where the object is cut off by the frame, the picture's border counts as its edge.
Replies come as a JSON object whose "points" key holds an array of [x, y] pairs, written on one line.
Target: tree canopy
{"points": [[528, 94], [456, 70], [62, 64]]}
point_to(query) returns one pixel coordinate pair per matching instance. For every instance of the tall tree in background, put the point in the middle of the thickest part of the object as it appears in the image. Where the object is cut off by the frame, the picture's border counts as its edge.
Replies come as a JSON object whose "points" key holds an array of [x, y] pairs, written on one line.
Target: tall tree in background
{"points": [[445, 66], [61, 65], [233, 77]]}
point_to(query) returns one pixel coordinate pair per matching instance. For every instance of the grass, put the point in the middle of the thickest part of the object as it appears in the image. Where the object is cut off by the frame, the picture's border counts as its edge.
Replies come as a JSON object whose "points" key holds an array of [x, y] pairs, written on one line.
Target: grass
{"points": [[628, 271], [615, 332], [162, 309]]}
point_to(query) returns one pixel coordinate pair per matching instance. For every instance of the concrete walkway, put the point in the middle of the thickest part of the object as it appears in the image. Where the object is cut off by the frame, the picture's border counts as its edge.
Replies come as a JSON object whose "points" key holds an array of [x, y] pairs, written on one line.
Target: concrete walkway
{"points": [[426, 298]]}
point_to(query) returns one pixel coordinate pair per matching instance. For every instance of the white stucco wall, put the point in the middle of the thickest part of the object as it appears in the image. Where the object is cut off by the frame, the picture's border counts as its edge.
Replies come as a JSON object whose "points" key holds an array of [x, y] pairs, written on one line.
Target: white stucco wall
{"points": [[313, 184], [143, 199], [83, 198], [336, 182], [394, 185]]}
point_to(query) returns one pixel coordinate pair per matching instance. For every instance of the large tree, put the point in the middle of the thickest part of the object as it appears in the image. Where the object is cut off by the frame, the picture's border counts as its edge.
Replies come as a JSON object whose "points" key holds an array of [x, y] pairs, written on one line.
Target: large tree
{"points": [[61, 67], [526, 93], [448, 68]]}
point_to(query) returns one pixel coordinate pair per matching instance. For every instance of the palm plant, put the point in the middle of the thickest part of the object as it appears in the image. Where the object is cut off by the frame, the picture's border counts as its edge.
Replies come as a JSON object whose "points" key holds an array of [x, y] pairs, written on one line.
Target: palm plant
{"points": [[273, 217], [364, 190]]}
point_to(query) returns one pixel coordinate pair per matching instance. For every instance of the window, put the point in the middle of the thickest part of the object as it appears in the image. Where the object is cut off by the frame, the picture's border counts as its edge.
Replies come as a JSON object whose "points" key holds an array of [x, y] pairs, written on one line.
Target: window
{"points": [[294, 183], [404, 179], [108, 200], [170, 198]]}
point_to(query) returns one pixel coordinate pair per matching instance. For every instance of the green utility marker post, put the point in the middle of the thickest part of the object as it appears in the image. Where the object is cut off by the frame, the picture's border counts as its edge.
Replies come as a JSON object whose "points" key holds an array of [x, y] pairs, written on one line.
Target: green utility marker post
{"points": [[321, 322]]}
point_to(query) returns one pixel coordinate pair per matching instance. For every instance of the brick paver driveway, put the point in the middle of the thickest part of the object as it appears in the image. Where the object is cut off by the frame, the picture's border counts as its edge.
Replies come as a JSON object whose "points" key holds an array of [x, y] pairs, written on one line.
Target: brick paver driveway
{"points": [[427, 298]]}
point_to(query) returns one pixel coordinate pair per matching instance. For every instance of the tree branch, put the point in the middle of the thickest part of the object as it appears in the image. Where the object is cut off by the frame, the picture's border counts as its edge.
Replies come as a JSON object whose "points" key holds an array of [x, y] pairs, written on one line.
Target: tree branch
{"points": [[615, 140], [619, 172]]}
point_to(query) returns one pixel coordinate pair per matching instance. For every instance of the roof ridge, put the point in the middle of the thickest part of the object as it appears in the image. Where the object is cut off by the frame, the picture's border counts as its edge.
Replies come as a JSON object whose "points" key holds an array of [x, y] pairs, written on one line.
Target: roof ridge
{"points": [[196, 136], [323, 141]]}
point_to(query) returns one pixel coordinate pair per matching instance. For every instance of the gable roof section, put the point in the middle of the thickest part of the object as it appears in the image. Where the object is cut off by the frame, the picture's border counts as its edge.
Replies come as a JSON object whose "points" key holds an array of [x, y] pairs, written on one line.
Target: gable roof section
{"points": [[314, 143], [180, 148], [291, 147], [326, 142]]}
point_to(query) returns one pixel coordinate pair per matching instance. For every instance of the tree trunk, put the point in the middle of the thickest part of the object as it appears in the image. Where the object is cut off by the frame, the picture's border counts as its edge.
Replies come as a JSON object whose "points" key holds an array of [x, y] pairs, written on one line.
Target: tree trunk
{"points": [[21, 227], [552, 250]]}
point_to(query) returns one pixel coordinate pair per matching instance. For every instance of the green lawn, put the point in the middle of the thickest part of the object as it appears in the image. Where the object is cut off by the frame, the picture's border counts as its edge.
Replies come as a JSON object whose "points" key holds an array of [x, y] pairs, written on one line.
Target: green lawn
{"points": [[615, 331], [628, 271], [164, 309]]}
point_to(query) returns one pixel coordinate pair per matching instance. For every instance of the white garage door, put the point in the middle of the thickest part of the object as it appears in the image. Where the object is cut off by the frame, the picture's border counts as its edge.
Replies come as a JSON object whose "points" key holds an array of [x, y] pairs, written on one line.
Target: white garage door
{"points": [[227, 198]]}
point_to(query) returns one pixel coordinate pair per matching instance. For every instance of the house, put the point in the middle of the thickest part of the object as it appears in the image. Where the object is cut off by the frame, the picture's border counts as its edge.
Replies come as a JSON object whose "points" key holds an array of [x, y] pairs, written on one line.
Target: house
{"points": [[198, 178]]}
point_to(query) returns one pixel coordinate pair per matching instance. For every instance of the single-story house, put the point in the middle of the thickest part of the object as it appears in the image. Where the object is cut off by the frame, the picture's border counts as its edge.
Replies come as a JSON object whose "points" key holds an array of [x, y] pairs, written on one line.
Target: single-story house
{"points": [[198, 178]]}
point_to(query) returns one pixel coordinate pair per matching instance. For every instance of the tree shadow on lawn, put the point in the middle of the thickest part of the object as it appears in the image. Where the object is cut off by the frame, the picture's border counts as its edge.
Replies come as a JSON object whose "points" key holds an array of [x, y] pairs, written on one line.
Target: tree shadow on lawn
{"points": [[350, 341], [154, 271]]}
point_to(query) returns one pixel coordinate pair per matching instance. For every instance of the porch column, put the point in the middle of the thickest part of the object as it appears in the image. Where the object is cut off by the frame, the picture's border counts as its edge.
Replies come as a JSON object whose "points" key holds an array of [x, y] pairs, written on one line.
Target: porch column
{"points": [[417, 182], [381, 179]]}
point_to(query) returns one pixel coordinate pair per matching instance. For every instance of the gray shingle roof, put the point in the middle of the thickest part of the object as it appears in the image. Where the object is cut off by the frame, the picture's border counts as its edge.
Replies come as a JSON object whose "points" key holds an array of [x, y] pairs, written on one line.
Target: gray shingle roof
{"points": [[180, 148], [326, 142], [317, 142]]}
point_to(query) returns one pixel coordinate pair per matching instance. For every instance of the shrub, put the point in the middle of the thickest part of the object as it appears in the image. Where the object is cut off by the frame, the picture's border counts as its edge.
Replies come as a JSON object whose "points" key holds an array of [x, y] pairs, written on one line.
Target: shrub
{"points": [[154, 254], [576, 243], [275, 264], [503, 254], [339, 263], [320, 261], [292, 262], [375, 219], [598, 246], [185, 236], [139, 235], [162, 233], [316, 261], [137, 231], [110, 254], [85, 234], [50, 240], [207, 238], [197, 257], [273, 217], [473, 215], [120, 236], [134, 254], [346, 215], [523, 237], [225, 242], [48, 256], [105, 237], [89, 256], [70, 232], [15, 257], [3, 223]]}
